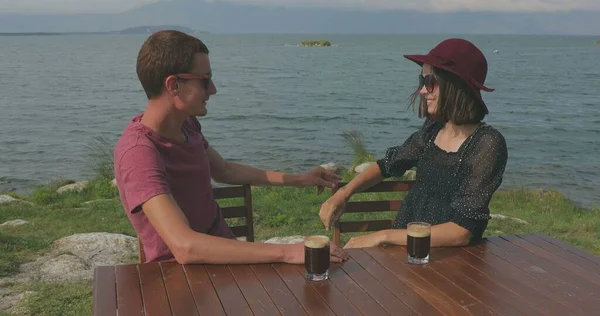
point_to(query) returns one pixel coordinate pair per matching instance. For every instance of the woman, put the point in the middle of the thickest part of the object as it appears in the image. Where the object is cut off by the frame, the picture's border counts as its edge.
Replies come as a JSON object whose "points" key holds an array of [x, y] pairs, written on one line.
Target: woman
{"points": [[460, 160]]}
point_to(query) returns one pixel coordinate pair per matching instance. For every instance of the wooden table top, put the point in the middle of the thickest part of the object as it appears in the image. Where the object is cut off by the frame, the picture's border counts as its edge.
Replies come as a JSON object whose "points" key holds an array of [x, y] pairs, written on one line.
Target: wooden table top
{"points": [[510, 275]]}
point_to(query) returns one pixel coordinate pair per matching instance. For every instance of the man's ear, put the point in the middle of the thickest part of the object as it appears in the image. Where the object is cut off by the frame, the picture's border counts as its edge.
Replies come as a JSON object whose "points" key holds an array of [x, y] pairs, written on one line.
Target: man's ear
{"points": [[172, 85]]}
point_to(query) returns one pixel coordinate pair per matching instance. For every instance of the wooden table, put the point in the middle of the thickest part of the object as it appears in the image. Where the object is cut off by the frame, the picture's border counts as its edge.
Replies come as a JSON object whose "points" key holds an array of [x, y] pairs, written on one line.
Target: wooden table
{"points": [[509, 275]]}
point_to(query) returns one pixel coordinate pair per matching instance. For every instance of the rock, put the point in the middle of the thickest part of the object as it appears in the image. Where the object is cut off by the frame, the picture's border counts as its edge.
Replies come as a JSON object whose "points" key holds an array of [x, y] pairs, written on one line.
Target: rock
{"points": [[322, 43], [333, 167], [16, 222], [74, 187], [543, 192], [99, 248], [96, 201], [5, 199], [504, 217], [9, 300], [410, 175], [285, 240], [363, 166], [55, 269], [80, 254]]}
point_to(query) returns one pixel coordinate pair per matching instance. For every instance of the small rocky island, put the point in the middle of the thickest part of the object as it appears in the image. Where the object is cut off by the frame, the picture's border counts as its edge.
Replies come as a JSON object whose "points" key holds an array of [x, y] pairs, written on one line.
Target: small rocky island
{"points": [[316, 43]]}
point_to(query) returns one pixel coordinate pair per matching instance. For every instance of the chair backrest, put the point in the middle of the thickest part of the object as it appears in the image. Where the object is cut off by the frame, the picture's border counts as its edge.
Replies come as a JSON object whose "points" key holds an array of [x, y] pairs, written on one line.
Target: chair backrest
{"points": [[340, 227], [240, 211]]}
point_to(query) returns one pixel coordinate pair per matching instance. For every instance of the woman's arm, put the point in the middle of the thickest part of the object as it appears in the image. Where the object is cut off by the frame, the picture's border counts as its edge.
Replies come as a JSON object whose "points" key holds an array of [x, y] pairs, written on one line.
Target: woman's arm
{"points": [[334, 206], [442, 235]]}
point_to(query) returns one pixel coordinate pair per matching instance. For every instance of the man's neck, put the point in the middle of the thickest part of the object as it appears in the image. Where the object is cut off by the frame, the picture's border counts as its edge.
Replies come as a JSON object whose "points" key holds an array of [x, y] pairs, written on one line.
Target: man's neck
{"points": [[162, 119]]}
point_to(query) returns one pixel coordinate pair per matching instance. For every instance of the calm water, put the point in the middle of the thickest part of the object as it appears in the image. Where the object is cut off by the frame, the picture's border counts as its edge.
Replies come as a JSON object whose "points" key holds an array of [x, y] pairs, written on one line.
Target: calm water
{"points": [[285, 107]]}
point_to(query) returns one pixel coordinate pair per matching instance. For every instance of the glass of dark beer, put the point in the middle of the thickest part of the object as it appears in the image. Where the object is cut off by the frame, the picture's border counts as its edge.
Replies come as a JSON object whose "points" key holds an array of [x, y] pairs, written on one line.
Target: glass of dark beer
{"points": [[418, 242], [316, 257]]}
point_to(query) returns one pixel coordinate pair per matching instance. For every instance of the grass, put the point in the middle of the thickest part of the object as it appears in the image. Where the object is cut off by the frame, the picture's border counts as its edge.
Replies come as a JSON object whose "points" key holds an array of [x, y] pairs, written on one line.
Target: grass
{"points": [[279, 212]]}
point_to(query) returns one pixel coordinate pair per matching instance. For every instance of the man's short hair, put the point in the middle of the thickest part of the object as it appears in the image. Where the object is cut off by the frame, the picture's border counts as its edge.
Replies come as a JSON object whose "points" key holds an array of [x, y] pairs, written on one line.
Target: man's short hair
{"points": [[166, 53], [456, 102]]}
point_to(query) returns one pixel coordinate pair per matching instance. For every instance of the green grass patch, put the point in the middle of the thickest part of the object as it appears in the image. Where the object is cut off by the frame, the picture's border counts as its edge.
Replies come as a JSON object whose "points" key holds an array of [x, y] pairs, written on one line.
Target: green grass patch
{"points": [[52, 299]]}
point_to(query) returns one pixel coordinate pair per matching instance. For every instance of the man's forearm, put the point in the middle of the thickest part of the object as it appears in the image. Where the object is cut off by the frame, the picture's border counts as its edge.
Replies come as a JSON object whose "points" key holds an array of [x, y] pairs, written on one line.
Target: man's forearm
{"points": [[443, 235], [202, 248], [242, 174]]}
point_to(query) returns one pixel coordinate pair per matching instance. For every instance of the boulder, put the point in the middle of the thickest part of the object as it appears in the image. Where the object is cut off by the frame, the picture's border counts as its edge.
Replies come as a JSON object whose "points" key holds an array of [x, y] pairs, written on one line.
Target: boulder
{"points": [[96, 201], [80, 254], [5, 199], [9, 300], [73, 187], [285, 240], [410, 175], [504, 217], [363, 166], [16, 222], [333, 167]]}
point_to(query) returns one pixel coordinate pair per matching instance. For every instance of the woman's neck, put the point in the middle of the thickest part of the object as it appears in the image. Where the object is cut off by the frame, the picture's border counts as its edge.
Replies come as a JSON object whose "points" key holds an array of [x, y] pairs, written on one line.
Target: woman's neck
{"points": [[462, 131]]}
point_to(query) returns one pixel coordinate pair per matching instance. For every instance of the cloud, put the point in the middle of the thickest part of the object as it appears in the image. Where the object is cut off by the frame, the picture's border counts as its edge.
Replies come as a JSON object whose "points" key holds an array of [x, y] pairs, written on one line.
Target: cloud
{"points": [[98, 6], [444, 5], [70, 6]]}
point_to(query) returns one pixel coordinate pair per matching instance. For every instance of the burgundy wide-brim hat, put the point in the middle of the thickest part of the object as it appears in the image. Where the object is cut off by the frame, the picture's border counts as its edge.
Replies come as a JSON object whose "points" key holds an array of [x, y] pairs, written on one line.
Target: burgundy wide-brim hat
{"points": [[461, 58]]}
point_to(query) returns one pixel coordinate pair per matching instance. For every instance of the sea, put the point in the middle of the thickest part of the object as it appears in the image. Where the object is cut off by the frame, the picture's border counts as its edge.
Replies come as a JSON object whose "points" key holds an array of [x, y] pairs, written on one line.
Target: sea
{"points": [[284, 107]]}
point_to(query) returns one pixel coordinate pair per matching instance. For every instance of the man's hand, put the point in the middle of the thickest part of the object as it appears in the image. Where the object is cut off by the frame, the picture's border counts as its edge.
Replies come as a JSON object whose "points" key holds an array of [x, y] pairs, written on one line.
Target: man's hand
{"points": [[370, 240], [319, 177], [337, 254], [294, 253]]}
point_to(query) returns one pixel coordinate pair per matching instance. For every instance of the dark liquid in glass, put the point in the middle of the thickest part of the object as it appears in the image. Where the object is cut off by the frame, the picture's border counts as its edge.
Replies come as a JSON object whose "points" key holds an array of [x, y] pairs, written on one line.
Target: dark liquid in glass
{"points": [[418, 247], [316, 260]]}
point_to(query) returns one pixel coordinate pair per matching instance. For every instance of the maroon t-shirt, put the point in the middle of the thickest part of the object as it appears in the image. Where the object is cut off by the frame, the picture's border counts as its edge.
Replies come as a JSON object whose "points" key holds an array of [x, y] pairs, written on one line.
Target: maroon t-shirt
{"points": [[147, 164]]}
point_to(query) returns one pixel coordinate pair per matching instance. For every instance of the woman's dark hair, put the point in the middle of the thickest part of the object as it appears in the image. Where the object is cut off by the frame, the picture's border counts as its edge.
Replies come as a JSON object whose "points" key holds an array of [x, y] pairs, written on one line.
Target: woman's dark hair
{"points": [[456, 101]]}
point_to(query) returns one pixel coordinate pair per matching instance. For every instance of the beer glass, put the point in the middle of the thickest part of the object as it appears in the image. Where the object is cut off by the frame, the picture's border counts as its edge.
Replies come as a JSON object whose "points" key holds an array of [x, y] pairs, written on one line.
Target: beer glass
{"points": [[418, 242], [316, 257]]}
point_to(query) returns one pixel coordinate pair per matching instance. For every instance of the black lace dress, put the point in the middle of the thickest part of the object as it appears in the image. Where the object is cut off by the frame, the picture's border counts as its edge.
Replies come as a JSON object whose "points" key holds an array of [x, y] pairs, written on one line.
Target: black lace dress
{"points": [[450, 187]]}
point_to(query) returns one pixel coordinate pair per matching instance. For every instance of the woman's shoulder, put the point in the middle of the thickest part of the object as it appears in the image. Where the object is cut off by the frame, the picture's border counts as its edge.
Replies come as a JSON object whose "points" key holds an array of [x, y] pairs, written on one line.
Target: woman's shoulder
{"points": [[489, 132], [490, 138]]}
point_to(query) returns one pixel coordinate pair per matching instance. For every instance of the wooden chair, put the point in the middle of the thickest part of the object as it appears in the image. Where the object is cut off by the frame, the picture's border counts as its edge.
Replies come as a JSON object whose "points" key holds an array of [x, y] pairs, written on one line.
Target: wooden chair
{"points": [[240, 211], [340, 227]]}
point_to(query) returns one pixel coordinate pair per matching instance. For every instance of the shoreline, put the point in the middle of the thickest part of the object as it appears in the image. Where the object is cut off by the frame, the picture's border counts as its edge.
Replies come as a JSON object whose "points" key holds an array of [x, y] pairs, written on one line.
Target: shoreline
{"points": [[29, 190]]}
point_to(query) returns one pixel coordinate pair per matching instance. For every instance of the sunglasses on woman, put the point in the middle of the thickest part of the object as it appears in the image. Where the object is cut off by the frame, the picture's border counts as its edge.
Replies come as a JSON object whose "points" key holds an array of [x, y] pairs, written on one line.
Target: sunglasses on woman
{"points": [[428, 81], [204, 79]]}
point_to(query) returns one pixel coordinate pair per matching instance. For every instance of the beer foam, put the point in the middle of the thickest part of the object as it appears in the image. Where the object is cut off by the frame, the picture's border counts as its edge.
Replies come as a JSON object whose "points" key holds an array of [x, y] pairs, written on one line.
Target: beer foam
{"points": [[418, 231], [316, 241]]}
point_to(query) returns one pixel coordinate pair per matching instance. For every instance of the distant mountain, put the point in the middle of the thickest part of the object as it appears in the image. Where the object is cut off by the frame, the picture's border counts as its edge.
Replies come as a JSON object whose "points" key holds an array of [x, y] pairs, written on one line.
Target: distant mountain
{"points": [[148, 29], [144, 29], [226, 17]]}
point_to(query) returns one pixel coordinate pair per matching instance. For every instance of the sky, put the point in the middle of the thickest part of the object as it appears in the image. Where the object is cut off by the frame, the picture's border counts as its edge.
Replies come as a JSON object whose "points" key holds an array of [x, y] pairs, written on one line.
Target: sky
{"points": [[115, 6]]}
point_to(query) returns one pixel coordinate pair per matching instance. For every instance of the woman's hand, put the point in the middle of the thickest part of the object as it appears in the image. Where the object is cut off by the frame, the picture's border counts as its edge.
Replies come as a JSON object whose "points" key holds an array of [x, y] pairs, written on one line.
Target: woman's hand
{"points": [[332, 209], [370, 240]]}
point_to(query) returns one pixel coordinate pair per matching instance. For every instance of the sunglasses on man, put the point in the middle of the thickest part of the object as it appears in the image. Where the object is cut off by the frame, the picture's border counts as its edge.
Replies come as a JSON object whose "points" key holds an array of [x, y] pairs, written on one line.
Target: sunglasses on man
{"points": [[204, 79]]}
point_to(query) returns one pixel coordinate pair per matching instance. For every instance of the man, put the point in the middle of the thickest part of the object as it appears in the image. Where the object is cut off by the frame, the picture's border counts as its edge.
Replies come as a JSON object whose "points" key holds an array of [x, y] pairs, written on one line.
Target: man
{"points": [[164, 165]]}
